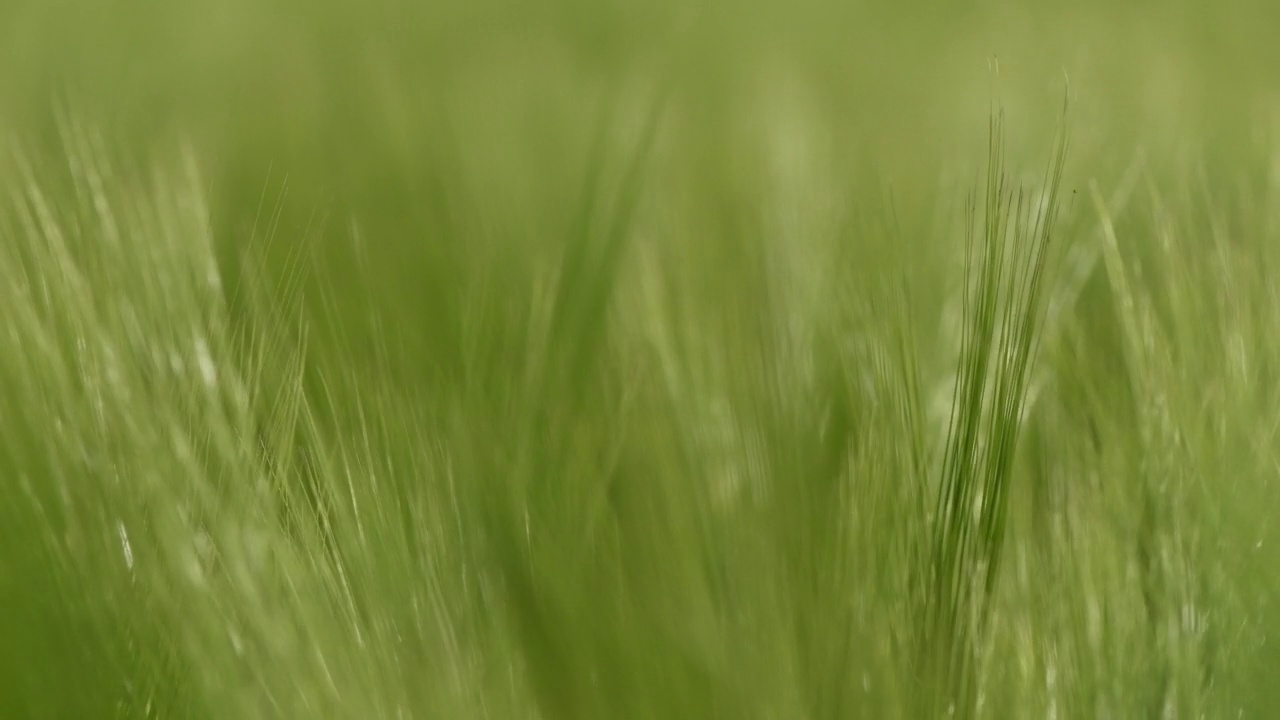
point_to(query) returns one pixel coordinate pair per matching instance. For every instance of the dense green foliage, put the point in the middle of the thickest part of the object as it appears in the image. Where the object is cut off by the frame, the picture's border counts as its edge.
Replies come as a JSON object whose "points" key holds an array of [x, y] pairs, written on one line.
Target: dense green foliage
{"points": [[638, 360]]}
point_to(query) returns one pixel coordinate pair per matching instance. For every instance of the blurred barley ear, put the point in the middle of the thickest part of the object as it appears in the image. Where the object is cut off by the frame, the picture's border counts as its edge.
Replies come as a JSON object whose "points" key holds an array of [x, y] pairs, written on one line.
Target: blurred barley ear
{"points": [[1008, 246]]}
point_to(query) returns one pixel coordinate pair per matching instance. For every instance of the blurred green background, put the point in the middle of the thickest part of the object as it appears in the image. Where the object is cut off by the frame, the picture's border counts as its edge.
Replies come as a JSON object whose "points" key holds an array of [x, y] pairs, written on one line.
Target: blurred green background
{"points": [[398, 113], [345, 96]]}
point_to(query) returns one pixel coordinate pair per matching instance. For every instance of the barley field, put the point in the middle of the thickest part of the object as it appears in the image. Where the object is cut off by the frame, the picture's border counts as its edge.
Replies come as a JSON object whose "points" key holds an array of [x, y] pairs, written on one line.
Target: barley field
{"points": [[639, 360]]}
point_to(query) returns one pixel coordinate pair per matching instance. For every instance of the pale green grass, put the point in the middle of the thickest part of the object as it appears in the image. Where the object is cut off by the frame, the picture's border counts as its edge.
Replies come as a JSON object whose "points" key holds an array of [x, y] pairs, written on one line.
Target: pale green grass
{"points": [[674, 398], [655, 477]]}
